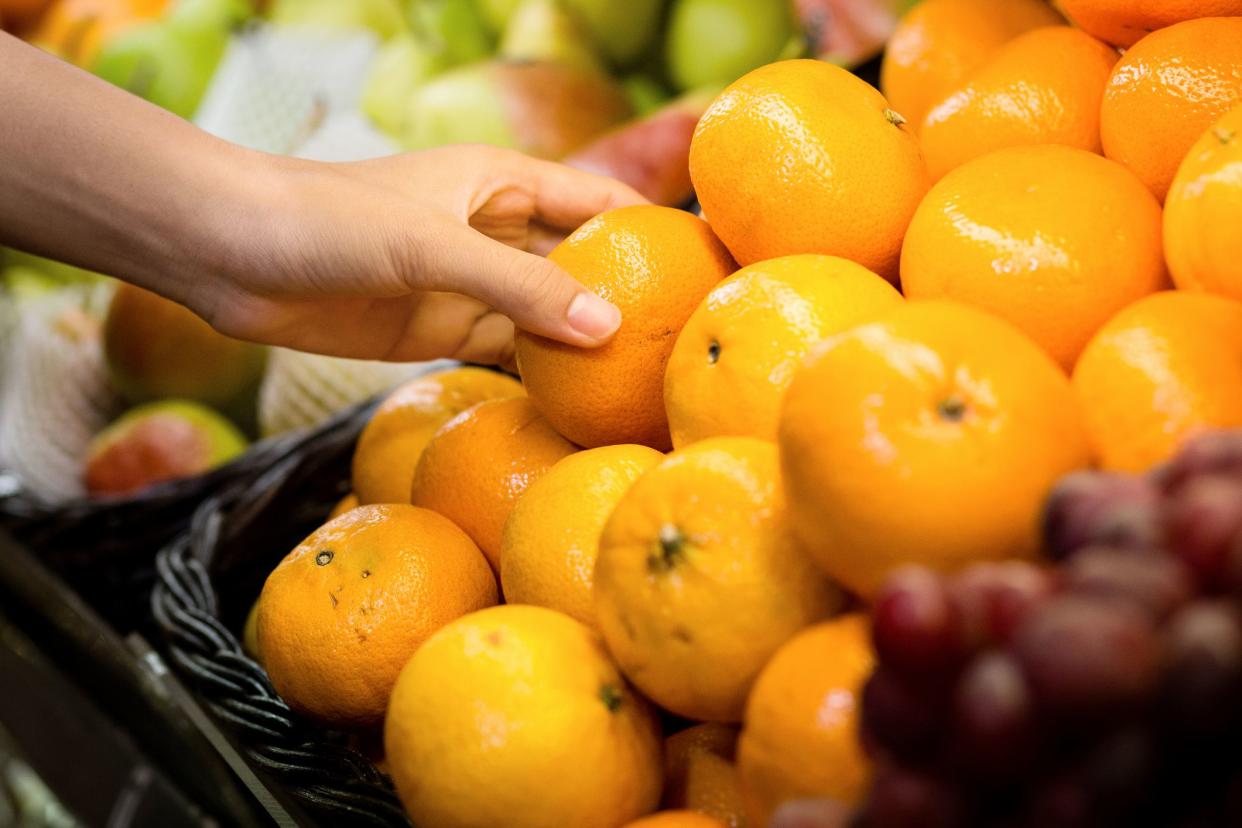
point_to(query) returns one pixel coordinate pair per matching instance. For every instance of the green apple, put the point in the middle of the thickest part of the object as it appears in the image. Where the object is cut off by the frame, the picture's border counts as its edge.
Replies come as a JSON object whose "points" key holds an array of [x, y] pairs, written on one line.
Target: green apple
{"points": [[167, 64], [622, 30], [384, 17], [543, 30], [401, 66], [456, 28], [715, 42]]}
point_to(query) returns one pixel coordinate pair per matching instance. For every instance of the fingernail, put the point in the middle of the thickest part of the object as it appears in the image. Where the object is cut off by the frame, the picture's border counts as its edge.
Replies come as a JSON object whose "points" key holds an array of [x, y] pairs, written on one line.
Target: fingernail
{"points": [[593, 317]]}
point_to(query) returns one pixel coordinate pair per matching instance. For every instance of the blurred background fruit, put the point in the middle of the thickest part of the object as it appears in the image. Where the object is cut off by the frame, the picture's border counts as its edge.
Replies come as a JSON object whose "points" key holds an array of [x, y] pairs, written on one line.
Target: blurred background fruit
{"points": [[676, 819], [846, 32], [1124, 22], [715, 42], [19, 14], [700, 774], [383, 17]]}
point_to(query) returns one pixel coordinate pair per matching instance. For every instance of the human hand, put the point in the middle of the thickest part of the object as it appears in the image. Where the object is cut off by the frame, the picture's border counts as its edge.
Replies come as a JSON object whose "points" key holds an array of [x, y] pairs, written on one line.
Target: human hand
{"points": [[409, 257]]}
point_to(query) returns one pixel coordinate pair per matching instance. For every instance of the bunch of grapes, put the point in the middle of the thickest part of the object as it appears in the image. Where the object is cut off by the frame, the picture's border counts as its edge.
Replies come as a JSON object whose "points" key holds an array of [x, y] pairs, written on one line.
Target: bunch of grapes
{"points": [[1105, 690]]}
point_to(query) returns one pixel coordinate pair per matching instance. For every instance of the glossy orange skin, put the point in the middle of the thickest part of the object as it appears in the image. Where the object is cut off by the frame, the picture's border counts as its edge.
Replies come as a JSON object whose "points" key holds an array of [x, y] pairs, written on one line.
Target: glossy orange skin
{"points": [[1054, 239], [336, 629], [1125, 22], [676, 819], [478, 464], [802, 157], [931, 436], [1166, 91], [656, 264], [940, 42], [1203, 212], [801, 737], [700, 775], [390, 445], [1162, 370], [1019, 97]]}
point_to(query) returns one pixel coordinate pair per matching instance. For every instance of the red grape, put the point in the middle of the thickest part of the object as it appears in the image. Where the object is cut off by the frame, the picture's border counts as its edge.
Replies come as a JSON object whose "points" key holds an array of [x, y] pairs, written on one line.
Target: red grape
{"points": [[1210, 453], [1203, 522], [1097, 509], [916, 628], [994, 717], [1152, 580], [992, 598]]}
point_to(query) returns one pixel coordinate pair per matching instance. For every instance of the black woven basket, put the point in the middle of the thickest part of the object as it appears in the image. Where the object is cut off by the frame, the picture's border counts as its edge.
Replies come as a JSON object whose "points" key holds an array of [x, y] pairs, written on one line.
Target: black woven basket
{"points": [[205, 583]]}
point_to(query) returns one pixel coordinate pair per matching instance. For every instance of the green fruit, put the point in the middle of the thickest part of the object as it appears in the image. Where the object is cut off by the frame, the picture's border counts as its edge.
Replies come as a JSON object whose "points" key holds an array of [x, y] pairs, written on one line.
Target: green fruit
{"points": [[26, 283], [168, 65], [402, 64], [58, 272], [496, 13], [623, 30], [455, 28], [384, 17], [646, 94], [210, 14], [542, 30], [458, 107], [715, 42]]}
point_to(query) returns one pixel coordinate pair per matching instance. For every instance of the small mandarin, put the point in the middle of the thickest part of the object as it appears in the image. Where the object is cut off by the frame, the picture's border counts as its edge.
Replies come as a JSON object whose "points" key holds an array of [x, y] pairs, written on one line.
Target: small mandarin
{"points": [[1125, 22]]}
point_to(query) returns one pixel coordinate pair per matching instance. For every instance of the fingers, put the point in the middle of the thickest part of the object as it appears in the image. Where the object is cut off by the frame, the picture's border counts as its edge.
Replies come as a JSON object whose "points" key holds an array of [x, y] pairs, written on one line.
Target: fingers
{"points": [[566, 198]]}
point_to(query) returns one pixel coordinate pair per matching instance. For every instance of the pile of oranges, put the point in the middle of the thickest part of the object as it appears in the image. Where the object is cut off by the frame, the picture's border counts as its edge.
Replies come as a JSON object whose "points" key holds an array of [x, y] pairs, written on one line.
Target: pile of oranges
{"points": [[637, 579]]}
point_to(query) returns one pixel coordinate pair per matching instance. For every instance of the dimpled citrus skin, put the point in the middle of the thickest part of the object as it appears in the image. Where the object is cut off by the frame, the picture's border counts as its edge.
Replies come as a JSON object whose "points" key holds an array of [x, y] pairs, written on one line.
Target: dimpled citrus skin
{"points": [[1160, 371], [516, 716], [1054, 239], [1125, 22], [698, 579], [802, 157], [551, 539], [1166, 90], [341, 614], [654, 263], [1203, 212], [940, 42], [478, 464], [699, 773], [1019, 97], [801, 737], [931, 436], [736, 355], [390, 445]]}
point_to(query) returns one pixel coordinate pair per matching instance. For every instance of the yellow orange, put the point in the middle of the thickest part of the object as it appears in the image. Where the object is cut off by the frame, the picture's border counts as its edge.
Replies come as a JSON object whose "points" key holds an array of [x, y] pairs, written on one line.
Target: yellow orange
{"points": [[736, 355], [931, 436], [1020, 97], [516, 716], [656, 264], [1054, 239], [1125, 22], [1165, 91], [346, 504], [700, 775], [1160, 371], [341, 614], [699, 580], [390, 445], [803, 157], [551, 539], [676, 819]]}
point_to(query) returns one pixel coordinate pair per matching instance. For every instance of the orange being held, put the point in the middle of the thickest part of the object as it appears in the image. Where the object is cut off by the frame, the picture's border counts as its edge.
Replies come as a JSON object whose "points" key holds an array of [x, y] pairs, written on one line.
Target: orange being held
{"points": [[940, 42], [1124, 22], [1203, 212], [699, 579], [478, 464], [1166, 91], [800, 739], [930, 436], [1161, 370], [736, 355], [1021, 97], [801, 156], [1054, 239], [341, 614], [700, 774], [390, 445], [656, 264], [676, 819], [551, 539], [516, 716]]}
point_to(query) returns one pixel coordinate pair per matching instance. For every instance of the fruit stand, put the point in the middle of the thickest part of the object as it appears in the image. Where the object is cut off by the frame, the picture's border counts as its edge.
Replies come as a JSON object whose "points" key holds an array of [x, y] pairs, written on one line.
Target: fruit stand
{"points": [[903, 489]]}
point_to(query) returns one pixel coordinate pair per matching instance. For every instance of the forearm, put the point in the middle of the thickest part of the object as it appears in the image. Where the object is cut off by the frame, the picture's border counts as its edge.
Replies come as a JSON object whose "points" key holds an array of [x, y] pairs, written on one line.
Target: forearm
{"points": [[97, 177]]}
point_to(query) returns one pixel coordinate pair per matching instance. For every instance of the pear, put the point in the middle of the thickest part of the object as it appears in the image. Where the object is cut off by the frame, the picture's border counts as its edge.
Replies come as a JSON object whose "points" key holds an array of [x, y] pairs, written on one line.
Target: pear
{"points": [[715, 42], [20, 282], [402, 64], [849, 33], [455, 28], [543, 109], [385, 18], [646, 93], [542, 30], [210, 14], [168, 64], [622, 30], [58, 272], [158, 442], [496, 13]]}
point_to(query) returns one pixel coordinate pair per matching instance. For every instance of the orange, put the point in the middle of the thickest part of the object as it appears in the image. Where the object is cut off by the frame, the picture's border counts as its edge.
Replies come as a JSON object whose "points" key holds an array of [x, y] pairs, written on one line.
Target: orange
{"points": [[1020, 97], [1124, 22], [21, 12], [699, 579], [1160, 371], [551, 539], [930, 436], [699, 773], [676, 819], [516, 716], [1203, 212], [801, 734], [390, 445], [76, 29], [656, 264], [1166, 90], [477, 465], [346, 504], [737, 353], [341, 614], [250, 633], [1054, 239], [803, 157], [940, 42]]}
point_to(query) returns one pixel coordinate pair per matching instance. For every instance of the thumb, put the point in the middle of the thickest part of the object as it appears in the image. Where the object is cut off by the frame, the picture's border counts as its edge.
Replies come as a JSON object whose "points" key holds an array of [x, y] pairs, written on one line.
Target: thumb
{"points": [[534, 292]]}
